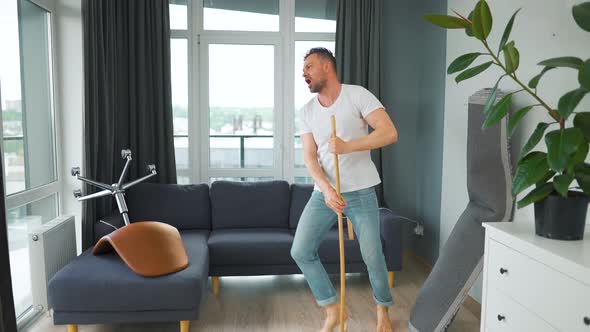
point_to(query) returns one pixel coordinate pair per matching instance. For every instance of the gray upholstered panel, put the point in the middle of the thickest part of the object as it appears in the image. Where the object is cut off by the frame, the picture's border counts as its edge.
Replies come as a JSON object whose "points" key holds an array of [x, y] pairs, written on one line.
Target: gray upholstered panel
{"points": [[255, 270], [105, 284], [244, 246], [172, 317], [250, 204], [300, 194], [489, 179], [391, 237], [182, 206]]}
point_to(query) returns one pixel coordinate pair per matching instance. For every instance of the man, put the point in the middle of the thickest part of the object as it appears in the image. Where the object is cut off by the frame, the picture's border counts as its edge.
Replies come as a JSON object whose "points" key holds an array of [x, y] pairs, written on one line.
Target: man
{"points": [[354, 107]]}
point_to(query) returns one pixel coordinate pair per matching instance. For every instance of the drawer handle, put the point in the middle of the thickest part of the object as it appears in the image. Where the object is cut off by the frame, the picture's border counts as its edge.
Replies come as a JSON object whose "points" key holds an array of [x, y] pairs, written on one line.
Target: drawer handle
{"points": [[503, 270], [501, 318], [587, 321]]}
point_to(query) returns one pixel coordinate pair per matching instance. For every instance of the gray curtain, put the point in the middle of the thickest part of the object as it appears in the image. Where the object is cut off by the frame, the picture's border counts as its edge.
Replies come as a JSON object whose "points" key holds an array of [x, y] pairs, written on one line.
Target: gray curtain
{"points": [[127, 92], [358, 42]]}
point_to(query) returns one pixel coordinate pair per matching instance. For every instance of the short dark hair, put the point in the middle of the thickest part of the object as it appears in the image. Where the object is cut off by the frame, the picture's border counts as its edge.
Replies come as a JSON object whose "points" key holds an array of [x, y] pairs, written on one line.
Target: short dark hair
{"points": [[323, 53]]}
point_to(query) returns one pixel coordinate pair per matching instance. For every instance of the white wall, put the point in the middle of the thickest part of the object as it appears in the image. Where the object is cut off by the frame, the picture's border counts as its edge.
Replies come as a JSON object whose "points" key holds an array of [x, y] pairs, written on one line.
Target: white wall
{"points": [[543, 29], [70, 90]]}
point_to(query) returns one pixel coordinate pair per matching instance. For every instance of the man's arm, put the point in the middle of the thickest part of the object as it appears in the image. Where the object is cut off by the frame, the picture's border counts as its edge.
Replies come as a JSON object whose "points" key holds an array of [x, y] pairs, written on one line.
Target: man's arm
{"points": [[310, 157], [384, 133]]}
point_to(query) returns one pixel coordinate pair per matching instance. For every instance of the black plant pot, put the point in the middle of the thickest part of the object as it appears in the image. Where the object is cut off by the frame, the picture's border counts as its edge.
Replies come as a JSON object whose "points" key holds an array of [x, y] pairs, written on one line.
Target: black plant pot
{"points": [[562, 218]]}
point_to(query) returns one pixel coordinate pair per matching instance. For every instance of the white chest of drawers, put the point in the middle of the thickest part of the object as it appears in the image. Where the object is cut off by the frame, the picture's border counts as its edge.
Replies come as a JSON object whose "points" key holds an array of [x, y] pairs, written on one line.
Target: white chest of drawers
{"points": [[531, 283]]}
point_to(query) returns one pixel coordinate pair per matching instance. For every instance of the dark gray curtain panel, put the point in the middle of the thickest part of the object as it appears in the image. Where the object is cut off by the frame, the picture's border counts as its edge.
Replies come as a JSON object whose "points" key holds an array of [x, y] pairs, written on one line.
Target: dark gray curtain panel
{"points": [[358, 43], [127, 96]]}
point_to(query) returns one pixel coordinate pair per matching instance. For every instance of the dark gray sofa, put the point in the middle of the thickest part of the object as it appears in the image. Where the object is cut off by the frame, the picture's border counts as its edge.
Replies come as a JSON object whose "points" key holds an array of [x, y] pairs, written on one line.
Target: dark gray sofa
{"points": [[229, 229]]}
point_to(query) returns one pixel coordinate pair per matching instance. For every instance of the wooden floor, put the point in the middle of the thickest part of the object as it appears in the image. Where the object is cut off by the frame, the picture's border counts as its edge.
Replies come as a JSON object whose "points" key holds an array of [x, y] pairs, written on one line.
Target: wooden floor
{"points": [[284, 303]]}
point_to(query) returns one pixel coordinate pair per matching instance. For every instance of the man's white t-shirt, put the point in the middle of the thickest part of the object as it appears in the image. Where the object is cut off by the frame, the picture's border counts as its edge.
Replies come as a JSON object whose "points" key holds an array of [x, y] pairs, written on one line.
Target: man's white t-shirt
{"points": [[357, 170]]}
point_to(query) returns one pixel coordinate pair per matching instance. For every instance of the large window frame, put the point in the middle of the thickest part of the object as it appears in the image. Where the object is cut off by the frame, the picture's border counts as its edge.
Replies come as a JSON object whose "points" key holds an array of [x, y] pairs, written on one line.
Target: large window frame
{"points": [[54, 188], [31, 195], [199, 169]]}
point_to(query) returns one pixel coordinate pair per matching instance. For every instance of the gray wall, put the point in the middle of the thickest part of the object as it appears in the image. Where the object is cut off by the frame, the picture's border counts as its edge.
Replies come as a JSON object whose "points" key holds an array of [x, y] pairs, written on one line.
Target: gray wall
{"points": [[413, 83]]}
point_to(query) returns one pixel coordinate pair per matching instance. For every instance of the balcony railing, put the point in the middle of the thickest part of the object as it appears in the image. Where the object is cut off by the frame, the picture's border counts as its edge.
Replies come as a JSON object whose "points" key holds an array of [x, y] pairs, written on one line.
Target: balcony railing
{"points": [[264, 159]]}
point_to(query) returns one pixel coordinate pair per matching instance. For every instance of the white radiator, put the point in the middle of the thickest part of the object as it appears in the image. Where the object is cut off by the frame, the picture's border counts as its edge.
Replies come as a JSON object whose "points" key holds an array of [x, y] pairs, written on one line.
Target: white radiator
{"points": [[51, 246]]}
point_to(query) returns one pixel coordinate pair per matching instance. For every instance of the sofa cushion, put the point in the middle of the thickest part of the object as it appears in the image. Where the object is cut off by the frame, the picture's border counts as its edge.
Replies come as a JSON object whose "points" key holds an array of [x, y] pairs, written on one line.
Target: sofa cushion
{"points": [[262, 246], [249, 204], [300, 194], [105, 284], [182, 206]]}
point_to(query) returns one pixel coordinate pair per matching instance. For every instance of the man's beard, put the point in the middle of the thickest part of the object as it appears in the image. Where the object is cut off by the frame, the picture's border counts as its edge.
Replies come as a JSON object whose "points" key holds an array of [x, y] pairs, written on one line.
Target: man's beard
{"points": [[319, 86]]}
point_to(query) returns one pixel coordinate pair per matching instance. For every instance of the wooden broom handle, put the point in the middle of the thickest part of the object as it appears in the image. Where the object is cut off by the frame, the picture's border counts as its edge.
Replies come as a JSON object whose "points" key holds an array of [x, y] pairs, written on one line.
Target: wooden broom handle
{"points": [[340, 235]]}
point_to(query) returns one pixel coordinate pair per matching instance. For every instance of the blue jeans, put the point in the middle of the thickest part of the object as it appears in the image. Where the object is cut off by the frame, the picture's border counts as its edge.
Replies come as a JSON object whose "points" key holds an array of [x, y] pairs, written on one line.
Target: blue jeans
{"points": [[317, 219]]}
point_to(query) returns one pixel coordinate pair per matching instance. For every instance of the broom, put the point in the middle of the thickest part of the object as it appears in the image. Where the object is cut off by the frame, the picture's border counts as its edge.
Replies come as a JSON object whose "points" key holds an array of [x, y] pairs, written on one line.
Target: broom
{"points": [[340, 235]]}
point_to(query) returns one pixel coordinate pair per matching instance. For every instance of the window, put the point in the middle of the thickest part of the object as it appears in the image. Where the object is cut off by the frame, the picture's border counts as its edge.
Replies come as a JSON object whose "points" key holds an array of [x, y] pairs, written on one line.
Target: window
{"points": [[28, 133], [242, 99], [178, 14], [315, 16], [241, 15], [179, 76], [244, 178], [241, 106]]}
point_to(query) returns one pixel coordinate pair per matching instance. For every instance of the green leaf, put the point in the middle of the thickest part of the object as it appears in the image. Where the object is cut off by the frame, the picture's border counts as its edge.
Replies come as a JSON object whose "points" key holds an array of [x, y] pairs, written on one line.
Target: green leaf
{"points": [[568, 102], [507, 31], [469, 73], [482, 20], [462, 62], [511, 57], [581, 15], [583, 177], [498, 111], [566, 61], [582, 121], [492, 97], [539, 193], [584, 75], [532, 168], [546, 177], [516, 117], [562, 144], [447, 22], [578, 157], [535, 138], [535, 80], [469, 30], [562, 184]]}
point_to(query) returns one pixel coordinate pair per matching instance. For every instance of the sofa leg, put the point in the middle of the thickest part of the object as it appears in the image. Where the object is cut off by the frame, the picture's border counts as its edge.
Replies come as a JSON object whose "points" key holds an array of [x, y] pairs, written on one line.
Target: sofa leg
{"points": [[184, 325], [72, 328], [350, 230], [390, 276], [215, 281]]}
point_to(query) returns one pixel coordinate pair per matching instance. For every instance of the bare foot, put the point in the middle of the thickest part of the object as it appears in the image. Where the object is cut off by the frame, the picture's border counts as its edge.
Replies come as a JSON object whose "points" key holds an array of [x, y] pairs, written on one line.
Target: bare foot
{"points": [[383, 321], [332, 317]]}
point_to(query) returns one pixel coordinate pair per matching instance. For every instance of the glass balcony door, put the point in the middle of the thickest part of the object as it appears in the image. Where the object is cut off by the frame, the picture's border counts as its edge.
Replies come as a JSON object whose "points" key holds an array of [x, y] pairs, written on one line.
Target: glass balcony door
{"points": [[240, 128]]}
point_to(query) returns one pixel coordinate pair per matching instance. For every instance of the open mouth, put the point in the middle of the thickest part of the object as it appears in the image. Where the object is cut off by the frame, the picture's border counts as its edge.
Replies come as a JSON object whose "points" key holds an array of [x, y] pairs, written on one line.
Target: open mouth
{"points": [[308, 81]]}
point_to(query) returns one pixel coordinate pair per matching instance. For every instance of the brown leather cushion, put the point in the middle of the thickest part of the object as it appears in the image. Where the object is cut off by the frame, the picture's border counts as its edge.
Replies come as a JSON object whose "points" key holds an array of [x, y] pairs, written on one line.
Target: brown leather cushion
{"points": [[149, 248]]}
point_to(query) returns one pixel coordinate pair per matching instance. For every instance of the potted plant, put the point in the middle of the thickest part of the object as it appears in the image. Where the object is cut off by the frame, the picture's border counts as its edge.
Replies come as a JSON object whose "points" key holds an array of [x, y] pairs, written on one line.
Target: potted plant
{"points": [[560, 205]]}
